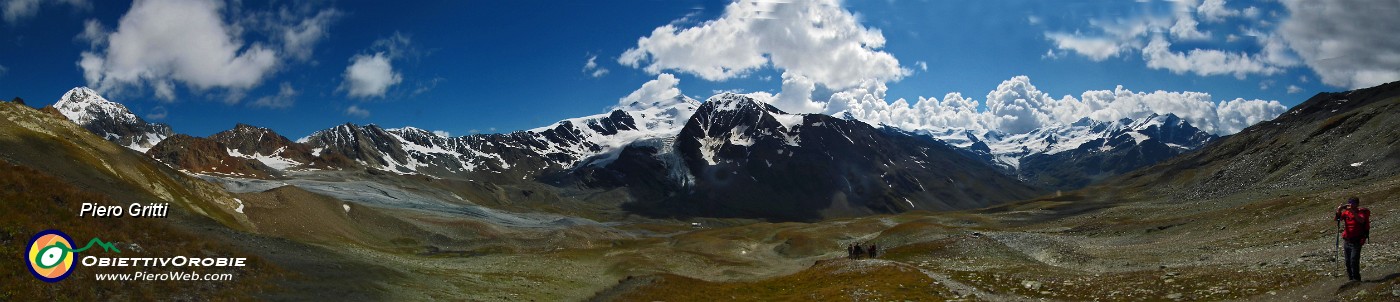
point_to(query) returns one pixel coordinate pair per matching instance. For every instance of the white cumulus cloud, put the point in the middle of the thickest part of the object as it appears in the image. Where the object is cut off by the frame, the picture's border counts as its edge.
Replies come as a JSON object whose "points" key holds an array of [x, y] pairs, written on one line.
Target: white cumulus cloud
{"points": [[1215, 11], [654, 93], [796, 95], [816, 39], [1204, 62], [1094, 48], [161, 43], [370, 75]]}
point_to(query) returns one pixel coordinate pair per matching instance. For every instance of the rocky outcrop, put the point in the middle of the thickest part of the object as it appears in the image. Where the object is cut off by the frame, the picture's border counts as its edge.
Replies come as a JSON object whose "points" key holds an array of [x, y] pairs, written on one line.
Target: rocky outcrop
{"points": [[207, 156]]}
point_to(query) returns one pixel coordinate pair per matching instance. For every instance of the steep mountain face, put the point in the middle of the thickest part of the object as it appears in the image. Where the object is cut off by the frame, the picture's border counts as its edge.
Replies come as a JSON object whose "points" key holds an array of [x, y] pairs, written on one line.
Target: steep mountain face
{"points": [[737, 157], [1331, 140], [1075, 155], [110, 120]]}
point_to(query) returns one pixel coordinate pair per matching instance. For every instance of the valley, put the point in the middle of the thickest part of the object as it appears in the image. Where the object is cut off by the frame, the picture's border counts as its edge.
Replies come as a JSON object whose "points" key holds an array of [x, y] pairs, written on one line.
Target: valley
{"points": [[700, 150], [572, 214]]}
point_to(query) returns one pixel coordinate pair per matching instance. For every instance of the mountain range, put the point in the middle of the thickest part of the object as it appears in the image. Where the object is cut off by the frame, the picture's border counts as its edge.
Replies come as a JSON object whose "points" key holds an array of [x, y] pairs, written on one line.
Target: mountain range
{"points": [[729, 156], [662, 201]]}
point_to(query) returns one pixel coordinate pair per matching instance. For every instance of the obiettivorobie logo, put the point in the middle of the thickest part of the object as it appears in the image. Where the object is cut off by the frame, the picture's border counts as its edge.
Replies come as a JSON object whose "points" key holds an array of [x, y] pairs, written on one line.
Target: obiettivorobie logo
{"points": [[51, 253], [52, 256]]}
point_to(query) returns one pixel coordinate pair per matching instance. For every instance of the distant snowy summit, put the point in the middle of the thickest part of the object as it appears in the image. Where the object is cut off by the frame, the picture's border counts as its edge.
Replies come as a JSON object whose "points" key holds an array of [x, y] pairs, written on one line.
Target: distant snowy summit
{"points": [[1074, 155], [110, 120]]}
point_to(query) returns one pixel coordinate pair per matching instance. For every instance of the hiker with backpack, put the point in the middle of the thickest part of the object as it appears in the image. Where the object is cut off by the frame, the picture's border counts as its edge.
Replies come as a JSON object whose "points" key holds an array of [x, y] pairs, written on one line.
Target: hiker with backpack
{"points": [[1356, 228]]}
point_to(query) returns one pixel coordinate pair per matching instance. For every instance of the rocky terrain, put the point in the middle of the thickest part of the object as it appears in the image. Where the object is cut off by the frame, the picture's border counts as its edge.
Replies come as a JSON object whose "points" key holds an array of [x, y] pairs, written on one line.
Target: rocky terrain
{"points": [[207, 156]]}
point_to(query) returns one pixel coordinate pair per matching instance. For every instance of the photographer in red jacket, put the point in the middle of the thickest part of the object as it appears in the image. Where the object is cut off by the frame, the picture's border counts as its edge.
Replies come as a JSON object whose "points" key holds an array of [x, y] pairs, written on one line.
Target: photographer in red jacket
{"points": [[1356, 222]]}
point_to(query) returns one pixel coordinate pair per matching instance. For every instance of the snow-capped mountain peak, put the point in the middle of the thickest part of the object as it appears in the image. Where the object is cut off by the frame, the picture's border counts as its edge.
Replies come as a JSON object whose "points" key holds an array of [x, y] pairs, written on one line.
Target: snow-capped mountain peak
{"points": [[83, 105], [728, 101], [110, 120]]}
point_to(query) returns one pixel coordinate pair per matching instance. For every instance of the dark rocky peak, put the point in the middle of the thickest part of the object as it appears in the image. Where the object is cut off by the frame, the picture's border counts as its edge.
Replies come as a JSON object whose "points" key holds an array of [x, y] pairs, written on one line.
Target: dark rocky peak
{"points": [[565, 134], [369, 144], [616, 121], [421, 137], [248, 140], [729, 112]]}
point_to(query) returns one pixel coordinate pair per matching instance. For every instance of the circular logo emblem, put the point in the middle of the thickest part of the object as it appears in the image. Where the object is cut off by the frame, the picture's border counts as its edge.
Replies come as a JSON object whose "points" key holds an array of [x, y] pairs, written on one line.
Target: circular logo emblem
{"points": [[50, 255]]}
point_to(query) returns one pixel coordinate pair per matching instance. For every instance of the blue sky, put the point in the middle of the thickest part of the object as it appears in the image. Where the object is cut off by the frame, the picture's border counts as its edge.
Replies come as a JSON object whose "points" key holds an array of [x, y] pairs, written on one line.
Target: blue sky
{"points": [[499, 66]]}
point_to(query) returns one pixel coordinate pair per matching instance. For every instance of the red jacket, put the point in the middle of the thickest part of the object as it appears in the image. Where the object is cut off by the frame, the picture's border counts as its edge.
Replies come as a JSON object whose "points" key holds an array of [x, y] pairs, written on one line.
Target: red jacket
{"points": [[1356, 224]]}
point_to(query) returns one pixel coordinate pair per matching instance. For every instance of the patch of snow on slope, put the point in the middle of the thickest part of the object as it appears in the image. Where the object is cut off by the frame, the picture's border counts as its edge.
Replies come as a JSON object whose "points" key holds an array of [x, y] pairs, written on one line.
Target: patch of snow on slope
{"points": [[276, 162], [737, 138], [1138, 137], [789, 121], [708, 147]]}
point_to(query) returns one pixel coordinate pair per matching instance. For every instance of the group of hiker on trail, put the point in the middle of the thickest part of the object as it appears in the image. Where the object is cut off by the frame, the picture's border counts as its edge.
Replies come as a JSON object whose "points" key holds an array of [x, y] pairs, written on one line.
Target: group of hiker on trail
{"points": [[855, 251], [1354, 224]]}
